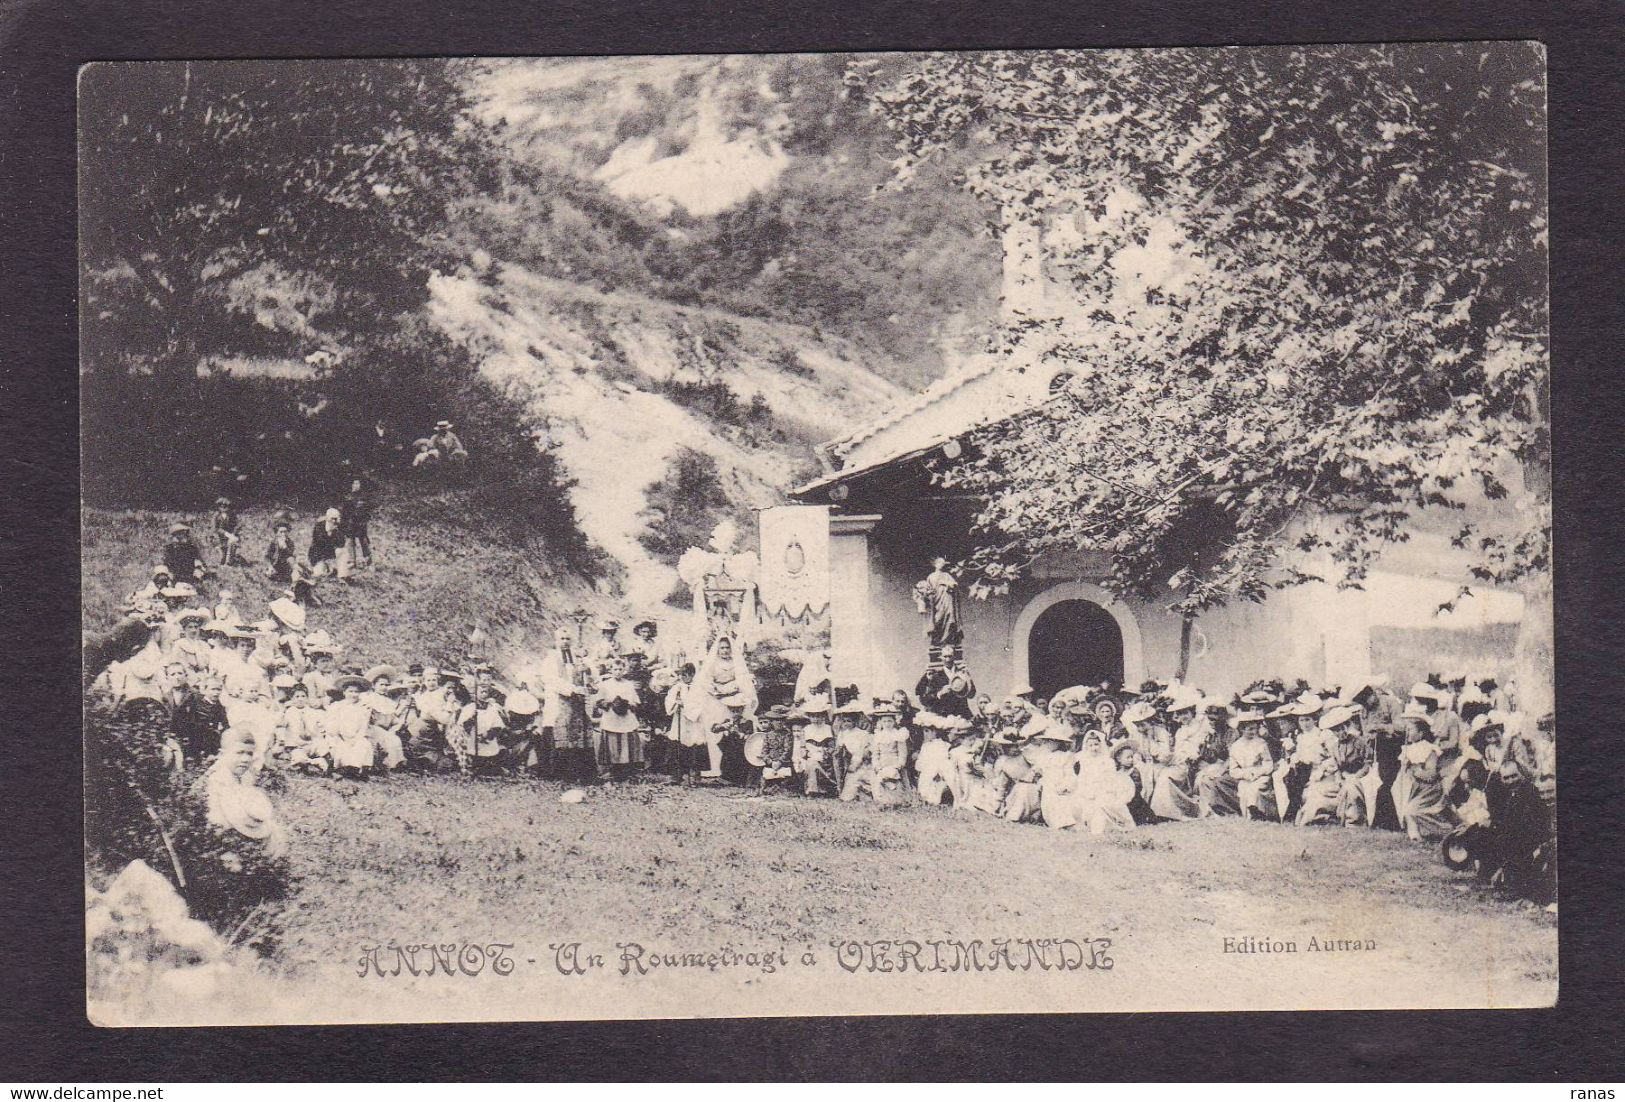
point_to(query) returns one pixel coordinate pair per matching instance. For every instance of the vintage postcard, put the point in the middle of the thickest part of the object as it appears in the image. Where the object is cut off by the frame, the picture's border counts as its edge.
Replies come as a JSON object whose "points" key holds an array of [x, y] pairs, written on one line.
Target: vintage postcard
{"points": [[644, 537]]}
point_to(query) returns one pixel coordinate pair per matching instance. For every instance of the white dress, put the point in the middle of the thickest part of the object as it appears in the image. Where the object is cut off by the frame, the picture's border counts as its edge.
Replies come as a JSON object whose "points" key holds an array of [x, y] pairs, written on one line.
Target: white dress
{"points": [[1101, 794]]}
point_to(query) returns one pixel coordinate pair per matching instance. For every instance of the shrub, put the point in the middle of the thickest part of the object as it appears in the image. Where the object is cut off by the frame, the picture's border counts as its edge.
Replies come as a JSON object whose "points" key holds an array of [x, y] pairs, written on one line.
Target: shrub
{"points": [[684, 506]]}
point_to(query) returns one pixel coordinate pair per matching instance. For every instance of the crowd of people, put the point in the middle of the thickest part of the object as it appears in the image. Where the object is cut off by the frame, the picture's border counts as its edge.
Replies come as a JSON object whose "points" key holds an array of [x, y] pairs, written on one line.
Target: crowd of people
{"points": [[224, 703]]}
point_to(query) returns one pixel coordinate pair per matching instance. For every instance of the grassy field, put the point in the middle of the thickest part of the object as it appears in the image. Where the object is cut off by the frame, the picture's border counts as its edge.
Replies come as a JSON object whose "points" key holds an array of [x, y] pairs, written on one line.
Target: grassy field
{"points": [[672, 870], [438, 574]]}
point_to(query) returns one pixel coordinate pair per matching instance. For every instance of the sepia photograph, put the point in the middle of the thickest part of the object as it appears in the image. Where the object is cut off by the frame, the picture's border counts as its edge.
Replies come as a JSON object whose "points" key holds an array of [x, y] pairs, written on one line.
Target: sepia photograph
{"points": [[822, 534]]}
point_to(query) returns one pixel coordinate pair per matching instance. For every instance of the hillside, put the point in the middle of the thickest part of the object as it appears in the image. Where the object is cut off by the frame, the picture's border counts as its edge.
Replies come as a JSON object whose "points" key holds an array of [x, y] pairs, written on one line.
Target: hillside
{"points": [[675, 275], [759, 185], [441, 572], [622, 384]]}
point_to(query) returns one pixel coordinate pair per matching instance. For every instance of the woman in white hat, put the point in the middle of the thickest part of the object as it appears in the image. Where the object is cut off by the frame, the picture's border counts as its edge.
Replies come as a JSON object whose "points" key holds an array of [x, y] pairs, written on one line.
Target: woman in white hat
{"points": [[723, 679], [388, 702], [1303, 748], [889, 755], [815, 749], [850, 722], [1252, 767], [349, 725], [1101, 791], [934, 767], [1343, 759], [1052, 757], [1173, 788], [190, 649], [1419, 798]]}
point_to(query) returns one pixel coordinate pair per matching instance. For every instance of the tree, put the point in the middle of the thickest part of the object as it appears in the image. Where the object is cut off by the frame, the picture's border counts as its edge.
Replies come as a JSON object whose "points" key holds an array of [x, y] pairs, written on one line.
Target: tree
{"points": [[1311, 306], [195, 173]]}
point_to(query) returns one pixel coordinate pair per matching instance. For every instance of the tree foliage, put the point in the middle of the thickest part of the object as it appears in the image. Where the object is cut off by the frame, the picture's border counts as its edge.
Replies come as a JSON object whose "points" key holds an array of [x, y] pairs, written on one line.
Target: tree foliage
{"points": [[1310, 283], [195, 174]]}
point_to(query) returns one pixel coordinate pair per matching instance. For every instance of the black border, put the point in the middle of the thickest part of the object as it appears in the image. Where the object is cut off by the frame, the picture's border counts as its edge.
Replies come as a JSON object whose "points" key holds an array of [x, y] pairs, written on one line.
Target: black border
{"points": [[44, 1036]]}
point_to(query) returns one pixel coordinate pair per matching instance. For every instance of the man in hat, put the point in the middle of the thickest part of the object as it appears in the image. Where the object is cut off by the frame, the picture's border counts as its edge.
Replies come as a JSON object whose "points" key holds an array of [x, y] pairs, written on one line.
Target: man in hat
{"points": [[608, 647], [225, 526], [181, 555], [947, 689], [279, 553], [327, 554], [646, 646], [1522, 835], [357, 515], [447, 443]]}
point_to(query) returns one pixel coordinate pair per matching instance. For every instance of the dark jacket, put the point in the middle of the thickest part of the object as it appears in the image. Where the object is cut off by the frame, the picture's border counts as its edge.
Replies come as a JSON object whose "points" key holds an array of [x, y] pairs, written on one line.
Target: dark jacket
{"points": [[324, 545], [181, 556], [357, 512]]}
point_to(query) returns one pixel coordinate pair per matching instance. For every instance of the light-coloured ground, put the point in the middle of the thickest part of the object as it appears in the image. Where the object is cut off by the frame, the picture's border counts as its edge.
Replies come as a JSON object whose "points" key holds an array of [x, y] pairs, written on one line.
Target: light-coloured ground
{"points": [[446, 861]]}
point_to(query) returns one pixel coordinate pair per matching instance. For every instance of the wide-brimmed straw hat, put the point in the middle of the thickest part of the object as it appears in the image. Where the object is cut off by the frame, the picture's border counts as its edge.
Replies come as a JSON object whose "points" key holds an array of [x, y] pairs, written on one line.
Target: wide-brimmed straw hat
{"points": [[349, 679], [382, 670], [1337, 716], [1415, 711], [288, 613], [1139, 712]]}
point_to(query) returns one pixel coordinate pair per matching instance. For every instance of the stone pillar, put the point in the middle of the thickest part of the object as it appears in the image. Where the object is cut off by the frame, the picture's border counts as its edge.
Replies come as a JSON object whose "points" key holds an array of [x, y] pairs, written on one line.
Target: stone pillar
{"points": [[851, 604]]}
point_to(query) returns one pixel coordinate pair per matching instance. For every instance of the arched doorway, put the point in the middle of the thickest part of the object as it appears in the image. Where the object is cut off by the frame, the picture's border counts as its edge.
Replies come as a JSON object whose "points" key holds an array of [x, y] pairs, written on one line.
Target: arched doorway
{"points": [[1073, 642]]}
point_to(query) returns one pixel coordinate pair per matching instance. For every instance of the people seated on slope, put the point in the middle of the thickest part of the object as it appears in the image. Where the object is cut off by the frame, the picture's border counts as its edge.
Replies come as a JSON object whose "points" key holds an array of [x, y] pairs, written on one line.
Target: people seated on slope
{"points": [[182, 557]]}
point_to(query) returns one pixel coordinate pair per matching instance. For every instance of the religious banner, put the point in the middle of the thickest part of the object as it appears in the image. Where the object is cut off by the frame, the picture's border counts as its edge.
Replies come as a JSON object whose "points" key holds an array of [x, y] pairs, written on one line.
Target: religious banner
{"points": [[795, 561]]}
